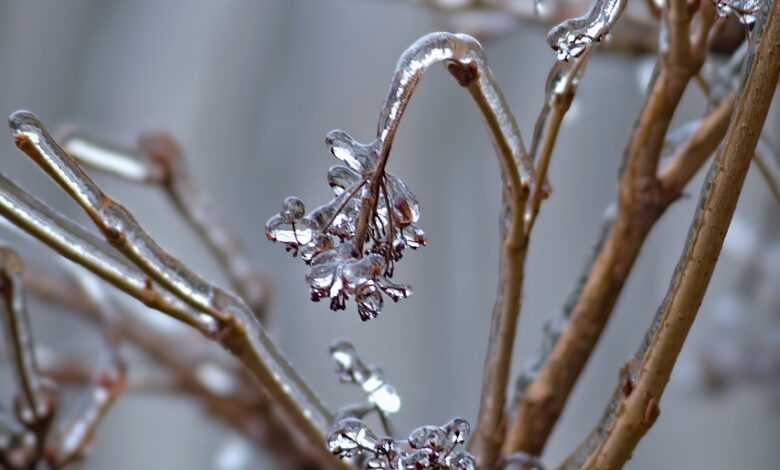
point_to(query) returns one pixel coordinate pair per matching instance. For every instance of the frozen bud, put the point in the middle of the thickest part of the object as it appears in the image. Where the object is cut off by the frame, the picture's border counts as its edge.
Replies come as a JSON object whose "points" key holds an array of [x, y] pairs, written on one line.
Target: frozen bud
{"points": [[461, 461], [359, 157], [350, 436], [429, 437], [292, 209], [458, 430], [422, 459], [340, 178]]}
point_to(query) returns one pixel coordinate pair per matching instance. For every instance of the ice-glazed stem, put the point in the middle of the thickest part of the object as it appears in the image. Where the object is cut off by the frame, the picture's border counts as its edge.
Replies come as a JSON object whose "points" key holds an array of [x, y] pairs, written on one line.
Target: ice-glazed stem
{"points": [[160, 161], [77, 244], [18, 335], [466, 61], [635, 404], [238, 329], [105, 388], [574, 36]]}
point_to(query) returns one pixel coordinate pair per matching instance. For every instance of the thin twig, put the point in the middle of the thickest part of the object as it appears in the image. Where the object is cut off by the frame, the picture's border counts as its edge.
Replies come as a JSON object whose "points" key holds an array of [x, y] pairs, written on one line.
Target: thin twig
{"points": [[638, 406], [560, 90], [642, 199], [101, 394], [238, 329]]}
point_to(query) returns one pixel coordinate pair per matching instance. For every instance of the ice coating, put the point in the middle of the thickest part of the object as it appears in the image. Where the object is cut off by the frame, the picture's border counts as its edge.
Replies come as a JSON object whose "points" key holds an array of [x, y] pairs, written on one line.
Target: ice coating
{"points": [[426, 448], [572, 37], [748, 12], [351, 369], [467, 54]]}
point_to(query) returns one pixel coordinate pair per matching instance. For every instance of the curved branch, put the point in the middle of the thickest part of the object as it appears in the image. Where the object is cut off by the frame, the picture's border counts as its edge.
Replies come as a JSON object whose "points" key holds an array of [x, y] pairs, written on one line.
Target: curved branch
{"points": [[238, 329], [465, 60]]}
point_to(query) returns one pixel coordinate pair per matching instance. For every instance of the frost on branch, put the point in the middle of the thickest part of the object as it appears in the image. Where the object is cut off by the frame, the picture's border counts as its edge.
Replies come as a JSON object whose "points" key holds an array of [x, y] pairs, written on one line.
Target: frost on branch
{"points": [[572, 37], [426, 448]]}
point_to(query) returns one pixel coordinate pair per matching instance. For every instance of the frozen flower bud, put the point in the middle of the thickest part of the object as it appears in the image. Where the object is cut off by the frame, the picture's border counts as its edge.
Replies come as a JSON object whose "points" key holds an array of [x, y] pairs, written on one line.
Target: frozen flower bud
{"points": [[292, 209]]}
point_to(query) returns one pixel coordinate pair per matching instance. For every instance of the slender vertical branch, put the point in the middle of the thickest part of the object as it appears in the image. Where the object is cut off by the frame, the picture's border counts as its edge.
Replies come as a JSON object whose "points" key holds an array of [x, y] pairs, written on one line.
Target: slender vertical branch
{"points": [[638, 407], [238, 329], [19, 338]]}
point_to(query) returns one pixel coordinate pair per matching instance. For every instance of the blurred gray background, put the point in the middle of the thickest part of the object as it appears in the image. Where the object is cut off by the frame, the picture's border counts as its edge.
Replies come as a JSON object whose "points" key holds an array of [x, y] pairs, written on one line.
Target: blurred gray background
{"points": [[251, 88]]}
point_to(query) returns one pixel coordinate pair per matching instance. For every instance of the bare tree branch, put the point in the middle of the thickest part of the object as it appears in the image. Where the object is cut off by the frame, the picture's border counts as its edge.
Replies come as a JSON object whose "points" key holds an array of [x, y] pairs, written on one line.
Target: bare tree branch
{"points": [[637, 397], [642, 199]]}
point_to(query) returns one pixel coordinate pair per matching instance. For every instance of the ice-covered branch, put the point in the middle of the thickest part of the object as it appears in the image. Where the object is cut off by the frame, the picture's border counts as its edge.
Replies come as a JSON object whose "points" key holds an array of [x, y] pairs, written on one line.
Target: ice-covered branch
{"points": [[77, 244], [159, 160], [635, 405], [573, 36], [236, 327]]}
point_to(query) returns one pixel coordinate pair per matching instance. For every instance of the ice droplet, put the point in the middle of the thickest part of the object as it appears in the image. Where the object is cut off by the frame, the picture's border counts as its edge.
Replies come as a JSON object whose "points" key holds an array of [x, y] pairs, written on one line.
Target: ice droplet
{"points": [[748, 12], [350, 436], [429, 437], [351, 369], [360, 157], [572, 37], [461, 461], [292, 209]]}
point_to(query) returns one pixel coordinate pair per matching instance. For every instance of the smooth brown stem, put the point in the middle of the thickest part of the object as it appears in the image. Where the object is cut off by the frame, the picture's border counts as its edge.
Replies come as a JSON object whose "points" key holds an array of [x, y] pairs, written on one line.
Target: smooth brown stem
{"points": [[639, 405], [486, 443]]}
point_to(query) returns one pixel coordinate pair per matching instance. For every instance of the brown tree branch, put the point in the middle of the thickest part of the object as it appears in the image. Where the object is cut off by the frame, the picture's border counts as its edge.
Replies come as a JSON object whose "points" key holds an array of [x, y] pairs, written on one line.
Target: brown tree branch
{"points": [[646, 379], [642, 199]]}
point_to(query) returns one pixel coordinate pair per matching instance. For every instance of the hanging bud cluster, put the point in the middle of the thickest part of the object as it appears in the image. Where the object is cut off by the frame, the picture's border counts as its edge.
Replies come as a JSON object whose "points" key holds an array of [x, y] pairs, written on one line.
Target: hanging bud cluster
{"points": [[344, 261], [426, 448]]}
